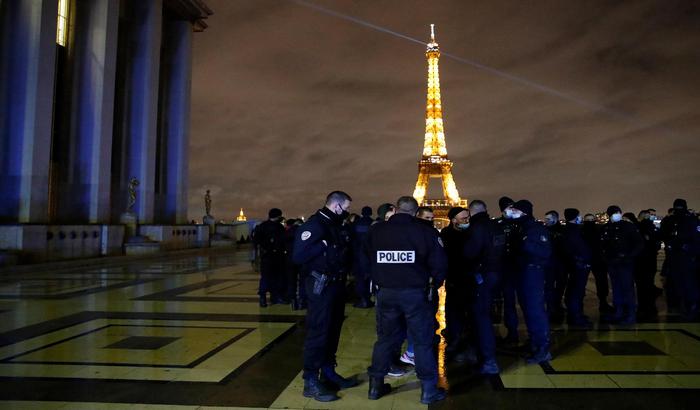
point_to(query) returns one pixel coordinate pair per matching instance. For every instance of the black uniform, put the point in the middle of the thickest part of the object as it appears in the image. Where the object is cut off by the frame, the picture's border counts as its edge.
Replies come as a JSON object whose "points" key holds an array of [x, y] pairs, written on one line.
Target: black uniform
{"points": [[622, 243], [325, 266], [404, 255], [592, 234], [555, 273], [511, 232], [457, 287], [360, 264], [484, 249], [295, 283], [532, 255], [577, 263], [645, 268], [681, 235], [269, 238]]}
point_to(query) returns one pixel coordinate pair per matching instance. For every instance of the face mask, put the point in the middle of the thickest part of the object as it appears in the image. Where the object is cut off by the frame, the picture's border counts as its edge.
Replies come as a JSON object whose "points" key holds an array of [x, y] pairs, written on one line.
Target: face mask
{"points": [[463, 226], [652, 218], [616, 217], [516, 215], [579, 220], [509, 213], [550, 221]]}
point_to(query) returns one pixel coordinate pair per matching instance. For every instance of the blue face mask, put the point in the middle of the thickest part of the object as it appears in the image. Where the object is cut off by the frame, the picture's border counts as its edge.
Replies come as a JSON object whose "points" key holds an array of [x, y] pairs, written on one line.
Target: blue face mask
{"points": [[616, 217], [463, 226]]}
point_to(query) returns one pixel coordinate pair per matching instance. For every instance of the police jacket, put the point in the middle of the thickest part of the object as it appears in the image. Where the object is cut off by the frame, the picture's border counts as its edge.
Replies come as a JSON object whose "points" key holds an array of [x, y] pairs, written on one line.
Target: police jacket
{"points": [[576, 250], [681, 233], [556, 236], [405, 253], [591, 234], [453, 241], [485, 245], [651, 237], [360, 230], [332, 257], [269, 236], [534, 245], [511, 232], [621, 242]]}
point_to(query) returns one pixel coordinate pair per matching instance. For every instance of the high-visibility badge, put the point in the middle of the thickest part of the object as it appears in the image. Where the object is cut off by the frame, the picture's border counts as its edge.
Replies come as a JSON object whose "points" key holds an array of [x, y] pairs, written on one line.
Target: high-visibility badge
{"points": [[396, 256]]}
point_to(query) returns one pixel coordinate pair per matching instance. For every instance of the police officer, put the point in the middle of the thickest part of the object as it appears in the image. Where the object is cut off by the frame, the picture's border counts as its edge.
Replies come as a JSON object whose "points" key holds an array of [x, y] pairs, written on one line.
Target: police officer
{"points": [[405, 254], [555, 272], [534, 250], [269, 239], [457, 286], [681, 235], [621, 245], [577, 263], [645, 267], [322, 248], [484, 249], [592, 235], [294, 286], [510, 230], [361, 268]]}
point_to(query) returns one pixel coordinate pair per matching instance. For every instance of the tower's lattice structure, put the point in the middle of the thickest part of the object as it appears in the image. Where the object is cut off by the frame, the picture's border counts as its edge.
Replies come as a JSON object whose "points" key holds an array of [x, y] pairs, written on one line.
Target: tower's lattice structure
{"points": [[434, 163]]}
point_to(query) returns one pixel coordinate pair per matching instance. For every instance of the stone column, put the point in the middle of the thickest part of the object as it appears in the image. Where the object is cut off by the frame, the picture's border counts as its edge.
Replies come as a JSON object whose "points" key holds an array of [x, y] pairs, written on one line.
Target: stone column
{"points": [[27, 67], [94, 66], [176, 67], [142, 105]]}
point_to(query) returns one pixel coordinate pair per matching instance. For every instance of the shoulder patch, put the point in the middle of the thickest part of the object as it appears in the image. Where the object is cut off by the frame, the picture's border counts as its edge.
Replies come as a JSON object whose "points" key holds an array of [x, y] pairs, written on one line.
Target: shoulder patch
{"points": [[442, 245], [543, 238], [305, 235]]}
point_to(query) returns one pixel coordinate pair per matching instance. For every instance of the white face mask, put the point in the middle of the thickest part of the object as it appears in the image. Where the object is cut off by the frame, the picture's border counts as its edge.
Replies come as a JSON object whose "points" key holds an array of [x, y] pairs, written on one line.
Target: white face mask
{"points": [[616, 217], [516, 214], [509, 212]]}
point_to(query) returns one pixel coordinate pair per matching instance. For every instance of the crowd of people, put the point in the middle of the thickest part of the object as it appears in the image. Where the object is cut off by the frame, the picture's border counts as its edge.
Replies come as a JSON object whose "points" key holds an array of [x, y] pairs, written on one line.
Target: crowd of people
{"points": [[488, 265]]}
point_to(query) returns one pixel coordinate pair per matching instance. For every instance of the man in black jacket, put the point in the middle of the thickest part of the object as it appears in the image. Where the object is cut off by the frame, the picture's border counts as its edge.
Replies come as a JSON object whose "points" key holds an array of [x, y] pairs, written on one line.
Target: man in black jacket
{"points": [[577, 262], [269, 240], [405, 255], [484, 249], [592, 233], [622, 243], [646, 266]]}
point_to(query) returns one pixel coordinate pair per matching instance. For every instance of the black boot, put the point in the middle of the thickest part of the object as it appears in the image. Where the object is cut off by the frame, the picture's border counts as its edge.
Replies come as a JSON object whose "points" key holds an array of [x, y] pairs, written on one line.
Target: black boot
{"points": [[430, 393], [377, 388], [333, 379], [263, 301], [315, 389]]}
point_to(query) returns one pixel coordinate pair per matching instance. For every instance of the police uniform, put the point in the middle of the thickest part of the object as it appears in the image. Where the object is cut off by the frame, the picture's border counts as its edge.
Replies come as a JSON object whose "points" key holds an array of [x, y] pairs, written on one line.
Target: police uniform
{"points": [[533, 253], [360, 264], [622, 243], [578, 264], [645, 269], [592, 234], [404, 255], [484, 249], [681, 235], [511, 233], [555, 273], [269, 237], [457, 287], [322, 248]]}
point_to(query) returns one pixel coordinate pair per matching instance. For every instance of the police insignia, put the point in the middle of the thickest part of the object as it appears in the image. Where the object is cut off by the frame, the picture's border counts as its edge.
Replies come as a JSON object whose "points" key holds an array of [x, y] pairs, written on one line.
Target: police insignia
{"points": [[543, 238], [305, 235], [442, 245]]}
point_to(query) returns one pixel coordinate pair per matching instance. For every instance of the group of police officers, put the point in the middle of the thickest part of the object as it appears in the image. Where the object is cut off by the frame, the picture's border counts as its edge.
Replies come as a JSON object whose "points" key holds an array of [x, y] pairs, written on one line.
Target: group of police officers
{"points": [[483, 262]]}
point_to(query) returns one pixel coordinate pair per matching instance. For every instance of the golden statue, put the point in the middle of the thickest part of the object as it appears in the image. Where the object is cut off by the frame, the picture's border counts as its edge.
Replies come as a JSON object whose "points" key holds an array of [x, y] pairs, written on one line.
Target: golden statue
{"points": [[133, 183]]}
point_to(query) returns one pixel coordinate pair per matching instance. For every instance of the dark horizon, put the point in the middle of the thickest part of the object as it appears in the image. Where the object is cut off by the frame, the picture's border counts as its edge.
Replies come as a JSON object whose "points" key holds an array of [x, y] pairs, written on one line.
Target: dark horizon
{"points": [[289, 103]]}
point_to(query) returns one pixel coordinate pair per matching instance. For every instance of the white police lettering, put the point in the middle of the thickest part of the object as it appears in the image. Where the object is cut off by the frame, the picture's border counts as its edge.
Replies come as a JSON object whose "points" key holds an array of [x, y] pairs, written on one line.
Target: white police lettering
{"points": [[305, 235], [396, 256]]}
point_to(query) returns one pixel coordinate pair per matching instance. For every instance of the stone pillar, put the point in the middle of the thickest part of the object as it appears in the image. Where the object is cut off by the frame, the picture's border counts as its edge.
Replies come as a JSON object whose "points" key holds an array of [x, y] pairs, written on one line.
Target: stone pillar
{"points": [[94, 66], [142, 104], [176, 69], [27, 67]]}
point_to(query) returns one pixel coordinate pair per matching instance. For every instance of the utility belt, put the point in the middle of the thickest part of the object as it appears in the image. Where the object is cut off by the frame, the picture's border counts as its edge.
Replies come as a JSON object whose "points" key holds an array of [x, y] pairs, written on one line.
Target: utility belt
{"points": [[429, 289], [321, 280]]}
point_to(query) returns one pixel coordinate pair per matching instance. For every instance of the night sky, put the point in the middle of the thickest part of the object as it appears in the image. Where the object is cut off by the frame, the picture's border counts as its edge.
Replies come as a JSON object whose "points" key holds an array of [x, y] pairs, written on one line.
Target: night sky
{"points": [[289, 103]]}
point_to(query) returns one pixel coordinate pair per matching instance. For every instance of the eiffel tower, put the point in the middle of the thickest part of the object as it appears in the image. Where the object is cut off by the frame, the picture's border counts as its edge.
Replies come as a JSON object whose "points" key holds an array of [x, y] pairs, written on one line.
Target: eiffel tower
{"points": [[434, 162]]}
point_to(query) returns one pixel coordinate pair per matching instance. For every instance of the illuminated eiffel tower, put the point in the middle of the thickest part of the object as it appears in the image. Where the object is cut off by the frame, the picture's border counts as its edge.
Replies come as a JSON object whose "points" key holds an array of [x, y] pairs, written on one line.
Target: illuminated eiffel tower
{"points": [[434, 162]]}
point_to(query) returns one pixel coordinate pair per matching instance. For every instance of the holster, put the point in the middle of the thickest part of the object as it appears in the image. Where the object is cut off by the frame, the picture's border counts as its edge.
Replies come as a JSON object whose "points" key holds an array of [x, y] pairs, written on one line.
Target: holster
{"points": [[320, 282]]}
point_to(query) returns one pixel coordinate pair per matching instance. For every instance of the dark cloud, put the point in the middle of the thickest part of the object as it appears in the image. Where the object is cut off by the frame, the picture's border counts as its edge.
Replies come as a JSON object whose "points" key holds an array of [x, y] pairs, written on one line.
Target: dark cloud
{"points": [[289, 103]]}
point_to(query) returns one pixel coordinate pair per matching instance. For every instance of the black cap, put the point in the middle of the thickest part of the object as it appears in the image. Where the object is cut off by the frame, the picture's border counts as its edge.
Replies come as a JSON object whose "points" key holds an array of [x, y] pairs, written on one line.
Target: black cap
{"points": [[505, 202], [454, 211], [274, 213], [571, 213], [680, 204], [613, 209], [366, 211], [523, 206]]}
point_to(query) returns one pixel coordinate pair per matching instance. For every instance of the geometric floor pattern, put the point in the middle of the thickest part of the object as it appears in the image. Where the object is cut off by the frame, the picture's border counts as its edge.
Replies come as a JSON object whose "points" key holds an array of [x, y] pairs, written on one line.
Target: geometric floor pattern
{"points": [[185, 331]]}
